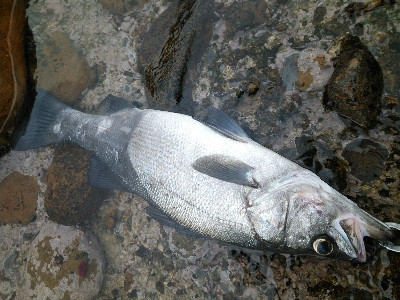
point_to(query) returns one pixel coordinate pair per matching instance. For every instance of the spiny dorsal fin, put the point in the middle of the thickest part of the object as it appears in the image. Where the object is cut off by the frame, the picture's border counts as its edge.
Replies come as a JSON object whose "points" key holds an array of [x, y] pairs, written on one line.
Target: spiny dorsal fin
{"points": [[221, 122], [226, 168]]}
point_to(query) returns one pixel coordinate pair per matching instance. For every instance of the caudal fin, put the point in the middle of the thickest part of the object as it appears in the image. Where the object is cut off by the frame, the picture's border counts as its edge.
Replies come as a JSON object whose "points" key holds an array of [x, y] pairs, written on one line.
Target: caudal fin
{"points": [[40, 131]]}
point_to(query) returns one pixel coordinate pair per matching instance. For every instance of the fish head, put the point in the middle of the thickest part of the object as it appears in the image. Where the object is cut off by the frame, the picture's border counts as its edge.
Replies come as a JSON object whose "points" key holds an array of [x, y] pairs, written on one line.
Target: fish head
{"points": [[301, 214]]}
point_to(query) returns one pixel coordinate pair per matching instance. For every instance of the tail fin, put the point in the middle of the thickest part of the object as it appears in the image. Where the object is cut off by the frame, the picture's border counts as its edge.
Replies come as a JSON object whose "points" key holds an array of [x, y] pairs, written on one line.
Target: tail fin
{"points": [[40, 131]]}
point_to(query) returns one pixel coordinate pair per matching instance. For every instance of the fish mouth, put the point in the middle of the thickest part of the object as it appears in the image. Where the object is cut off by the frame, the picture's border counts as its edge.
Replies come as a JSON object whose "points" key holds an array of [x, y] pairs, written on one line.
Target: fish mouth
{"points": [[353, 229]]}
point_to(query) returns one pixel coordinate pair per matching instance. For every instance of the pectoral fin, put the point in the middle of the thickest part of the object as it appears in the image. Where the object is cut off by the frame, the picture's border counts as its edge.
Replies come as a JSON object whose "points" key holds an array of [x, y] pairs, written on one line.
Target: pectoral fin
{"points": [[221, 122], [226, 168]]}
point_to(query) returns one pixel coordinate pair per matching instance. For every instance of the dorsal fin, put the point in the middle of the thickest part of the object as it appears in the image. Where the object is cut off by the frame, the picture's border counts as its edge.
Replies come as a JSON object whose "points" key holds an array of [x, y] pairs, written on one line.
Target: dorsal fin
{"points": [[226, 168], [221, 122], [112, 104]]}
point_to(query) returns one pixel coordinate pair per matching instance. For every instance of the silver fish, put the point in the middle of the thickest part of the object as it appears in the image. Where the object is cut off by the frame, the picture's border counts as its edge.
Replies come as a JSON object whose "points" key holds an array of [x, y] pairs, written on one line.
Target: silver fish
{"points": [[210, 178]]}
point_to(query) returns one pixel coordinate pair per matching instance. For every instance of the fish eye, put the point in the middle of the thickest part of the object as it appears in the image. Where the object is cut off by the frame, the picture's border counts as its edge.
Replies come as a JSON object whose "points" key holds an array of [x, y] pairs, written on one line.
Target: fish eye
{"points": [[323, 246]]}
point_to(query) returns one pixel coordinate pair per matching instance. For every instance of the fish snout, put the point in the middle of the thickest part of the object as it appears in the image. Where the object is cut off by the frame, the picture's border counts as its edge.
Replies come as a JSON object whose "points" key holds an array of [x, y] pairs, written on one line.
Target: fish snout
{"points": [[363, 235]]}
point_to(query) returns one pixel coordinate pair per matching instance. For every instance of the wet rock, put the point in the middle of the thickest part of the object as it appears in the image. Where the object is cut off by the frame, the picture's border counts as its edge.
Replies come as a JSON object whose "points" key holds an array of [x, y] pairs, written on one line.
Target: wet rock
{"points": [[390, 102], [366, 159], [110, 222], [386, 57], [241, 15], [355, 88], [120, 7], [172, 47], [358, 7], [160, 287], [18, 199], [315, 68], [381, 37], [391, 278], [319, 15], [358, 29], [249, 87], [61, 69], [69, 199], [308, 70], [281, 27], [63, 263], [329, 24], [12, 62]]}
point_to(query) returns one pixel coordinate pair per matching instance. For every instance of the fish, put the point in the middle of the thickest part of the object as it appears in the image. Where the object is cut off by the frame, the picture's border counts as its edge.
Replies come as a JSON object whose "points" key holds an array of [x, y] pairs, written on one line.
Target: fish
{"points": [[209, 178]]}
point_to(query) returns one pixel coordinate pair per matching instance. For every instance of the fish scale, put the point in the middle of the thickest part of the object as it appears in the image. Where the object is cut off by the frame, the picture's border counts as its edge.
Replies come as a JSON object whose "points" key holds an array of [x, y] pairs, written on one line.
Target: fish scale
{"points": [[210, 178]]}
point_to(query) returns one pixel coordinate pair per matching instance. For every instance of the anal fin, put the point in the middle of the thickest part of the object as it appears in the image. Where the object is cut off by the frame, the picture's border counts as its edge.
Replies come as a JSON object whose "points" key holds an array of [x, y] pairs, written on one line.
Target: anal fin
{"points": [[101, 176], [163, 219]]}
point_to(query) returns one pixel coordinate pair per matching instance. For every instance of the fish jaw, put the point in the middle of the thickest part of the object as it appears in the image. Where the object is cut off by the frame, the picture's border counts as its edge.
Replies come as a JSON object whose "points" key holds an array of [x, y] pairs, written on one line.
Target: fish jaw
{"points": [[353, 228], [352, 232]]}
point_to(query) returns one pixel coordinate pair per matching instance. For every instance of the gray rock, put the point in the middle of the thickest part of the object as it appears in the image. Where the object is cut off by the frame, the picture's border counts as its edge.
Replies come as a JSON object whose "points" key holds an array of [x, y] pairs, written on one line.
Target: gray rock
{"points": [[63, 263], [366, 158], [355, 88]]}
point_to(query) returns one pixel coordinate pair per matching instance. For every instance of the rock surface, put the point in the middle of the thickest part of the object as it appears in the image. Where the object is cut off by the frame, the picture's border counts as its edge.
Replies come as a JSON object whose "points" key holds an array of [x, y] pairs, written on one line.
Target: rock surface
{"points": [[12, 61], [315, 68], [241, 15], [173, 45], [61, 69], [356, 86], [366, 159], [69, 199], [307, 71], [18, 199], [120, 7], [63, 263]]}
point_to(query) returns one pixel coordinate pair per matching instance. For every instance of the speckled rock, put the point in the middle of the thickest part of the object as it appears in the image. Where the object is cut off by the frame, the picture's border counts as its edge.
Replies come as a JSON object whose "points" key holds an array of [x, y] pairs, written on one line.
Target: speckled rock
{"points": [[356, 86], [12, 61], [241, 15], [392, 274], [171, 48], [366, 159], [120, 7], [18, 199], [358, 8], [315, 68], [63, 263], [61, 69], [69, 198], [386, 55], [319, 15]]}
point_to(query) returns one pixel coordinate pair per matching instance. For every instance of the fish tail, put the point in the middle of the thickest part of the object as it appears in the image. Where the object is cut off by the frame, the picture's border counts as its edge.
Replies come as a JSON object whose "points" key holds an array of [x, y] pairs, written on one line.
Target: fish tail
{"points": [[41, 127]]}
